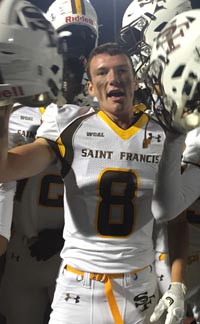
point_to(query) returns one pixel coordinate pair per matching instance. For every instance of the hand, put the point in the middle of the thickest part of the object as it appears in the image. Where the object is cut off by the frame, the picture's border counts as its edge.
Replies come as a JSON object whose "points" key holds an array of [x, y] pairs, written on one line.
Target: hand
{"points": [[46, 244], [172, 302]]}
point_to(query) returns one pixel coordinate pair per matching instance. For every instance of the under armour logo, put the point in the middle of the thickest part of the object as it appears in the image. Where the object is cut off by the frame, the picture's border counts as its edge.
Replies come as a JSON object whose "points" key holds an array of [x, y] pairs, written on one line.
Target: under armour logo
{"points": [[72, 298], [158, 137], [161, 277]]}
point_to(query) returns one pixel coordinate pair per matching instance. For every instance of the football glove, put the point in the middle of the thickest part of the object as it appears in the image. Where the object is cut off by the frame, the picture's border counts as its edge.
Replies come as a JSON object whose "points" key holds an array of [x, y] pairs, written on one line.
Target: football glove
{"points": [[173, 303], [46, 244]]}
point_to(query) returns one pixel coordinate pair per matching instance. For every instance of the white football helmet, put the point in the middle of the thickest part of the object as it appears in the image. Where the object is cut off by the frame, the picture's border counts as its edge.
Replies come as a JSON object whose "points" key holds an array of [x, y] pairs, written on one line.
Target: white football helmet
{"points": [[29, 61], [76, 23], [141, 23], [175, 71]]}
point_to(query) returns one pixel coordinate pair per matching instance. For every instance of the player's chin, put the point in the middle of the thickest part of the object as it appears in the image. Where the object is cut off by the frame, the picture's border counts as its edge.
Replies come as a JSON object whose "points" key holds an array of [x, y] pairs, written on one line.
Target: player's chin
{"points": [[117, 104]]}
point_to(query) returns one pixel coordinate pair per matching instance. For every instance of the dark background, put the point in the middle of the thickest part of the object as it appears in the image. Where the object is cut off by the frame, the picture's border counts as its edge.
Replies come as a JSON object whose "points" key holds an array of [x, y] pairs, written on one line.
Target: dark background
{"points": [[109, 12]]}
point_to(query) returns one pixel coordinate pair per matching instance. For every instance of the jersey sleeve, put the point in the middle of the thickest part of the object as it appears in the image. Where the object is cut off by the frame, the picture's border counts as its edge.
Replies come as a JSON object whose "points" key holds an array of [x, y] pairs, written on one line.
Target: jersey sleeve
{"points": [[7, 192], [55, 120], [191, 154], [168, 192]]}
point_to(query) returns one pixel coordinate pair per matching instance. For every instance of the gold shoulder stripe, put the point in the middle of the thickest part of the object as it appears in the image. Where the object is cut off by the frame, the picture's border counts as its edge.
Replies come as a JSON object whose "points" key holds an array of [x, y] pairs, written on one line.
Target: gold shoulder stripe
{"points": [[61, 147], [125, 134], [78, 7]]}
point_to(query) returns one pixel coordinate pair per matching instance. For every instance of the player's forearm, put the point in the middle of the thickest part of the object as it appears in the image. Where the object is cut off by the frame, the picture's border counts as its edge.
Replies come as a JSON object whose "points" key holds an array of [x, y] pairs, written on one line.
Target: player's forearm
{"points": [[28, 160], [178, 237], [167, 189]]}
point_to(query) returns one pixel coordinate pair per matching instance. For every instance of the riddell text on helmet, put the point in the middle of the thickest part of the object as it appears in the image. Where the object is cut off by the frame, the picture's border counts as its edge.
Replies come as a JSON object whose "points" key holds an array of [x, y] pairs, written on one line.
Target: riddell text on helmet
{"points": [[11, 92], [70, 19]]}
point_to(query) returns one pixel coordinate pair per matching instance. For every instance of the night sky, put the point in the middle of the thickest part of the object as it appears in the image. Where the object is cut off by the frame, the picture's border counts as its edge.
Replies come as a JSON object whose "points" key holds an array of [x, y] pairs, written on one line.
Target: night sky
{"points": [[109, 12]]}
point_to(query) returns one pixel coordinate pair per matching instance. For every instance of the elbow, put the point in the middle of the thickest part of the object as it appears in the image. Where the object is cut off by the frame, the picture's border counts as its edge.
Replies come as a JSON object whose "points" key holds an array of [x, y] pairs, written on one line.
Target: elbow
{"points": [[162, 212]]}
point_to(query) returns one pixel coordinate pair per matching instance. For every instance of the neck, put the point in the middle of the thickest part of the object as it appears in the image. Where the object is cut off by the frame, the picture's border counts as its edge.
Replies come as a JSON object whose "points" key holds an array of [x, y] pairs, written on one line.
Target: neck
{"points": [[123, 121]]}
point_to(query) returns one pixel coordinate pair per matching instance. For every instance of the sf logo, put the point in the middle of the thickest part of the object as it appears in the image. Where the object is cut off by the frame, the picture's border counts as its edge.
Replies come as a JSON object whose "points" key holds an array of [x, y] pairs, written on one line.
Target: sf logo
{"points": [[169, 39], [143, 301], [158, 3]]}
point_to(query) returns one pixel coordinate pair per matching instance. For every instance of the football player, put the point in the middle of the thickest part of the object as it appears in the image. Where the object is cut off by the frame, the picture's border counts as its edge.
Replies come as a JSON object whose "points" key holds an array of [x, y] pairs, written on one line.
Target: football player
{"points": [[33, 253], [17, 50], [108, 251], [174, 66], [26, 72], [142, 21], [77, 26]]}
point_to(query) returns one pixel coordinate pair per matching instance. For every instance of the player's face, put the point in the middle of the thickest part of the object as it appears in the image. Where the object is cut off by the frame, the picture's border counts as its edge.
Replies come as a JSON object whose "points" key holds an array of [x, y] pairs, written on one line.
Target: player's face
{"points": [[113, 83]]}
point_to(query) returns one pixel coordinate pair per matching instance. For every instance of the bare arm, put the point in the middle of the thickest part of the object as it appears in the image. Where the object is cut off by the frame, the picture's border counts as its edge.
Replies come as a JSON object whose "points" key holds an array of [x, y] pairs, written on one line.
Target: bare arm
{"points": [[27, 160], [22, 161], [178, 237]]}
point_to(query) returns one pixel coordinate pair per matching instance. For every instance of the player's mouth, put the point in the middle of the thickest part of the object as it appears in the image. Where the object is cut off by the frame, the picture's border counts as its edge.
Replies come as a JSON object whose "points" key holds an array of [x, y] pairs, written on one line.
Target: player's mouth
{"points": [[116, 95]]}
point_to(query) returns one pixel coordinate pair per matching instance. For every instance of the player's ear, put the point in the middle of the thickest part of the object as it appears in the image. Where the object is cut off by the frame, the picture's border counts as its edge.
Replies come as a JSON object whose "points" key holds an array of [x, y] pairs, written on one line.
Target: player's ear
{"points": [[91, 89]]}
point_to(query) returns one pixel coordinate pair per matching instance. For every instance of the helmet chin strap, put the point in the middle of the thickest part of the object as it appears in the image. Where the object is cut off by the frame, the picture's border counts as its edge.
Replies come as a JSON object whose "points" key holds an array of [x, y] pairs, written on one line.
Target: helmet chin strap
{"points": [[72, 77], [73, 66]]}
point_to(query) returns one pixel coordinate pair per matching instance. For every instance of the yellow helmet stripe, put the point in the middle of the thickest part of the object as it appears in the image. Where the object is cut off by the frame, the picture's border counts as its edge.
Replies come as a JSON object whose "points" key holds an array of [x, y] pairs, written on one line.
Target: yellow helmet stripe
{"points": [[78, 7]]}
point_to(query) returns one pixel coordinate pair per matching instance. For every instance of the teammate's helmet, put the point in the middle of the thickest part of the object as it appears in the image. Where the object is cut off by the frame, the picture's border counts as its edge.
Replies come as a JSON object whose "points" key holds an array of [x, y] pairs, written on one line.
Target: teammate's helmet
{"points": [[175, 70], [77, 26], [29, 61], [141, 23]]}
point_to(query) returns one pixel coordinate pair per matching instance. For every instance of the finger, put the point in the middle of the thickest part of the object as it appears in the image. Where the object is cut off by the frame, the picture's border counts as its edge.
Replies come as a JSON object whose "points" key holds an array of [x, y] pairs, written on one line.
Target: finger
{"points": [[158, 311]]}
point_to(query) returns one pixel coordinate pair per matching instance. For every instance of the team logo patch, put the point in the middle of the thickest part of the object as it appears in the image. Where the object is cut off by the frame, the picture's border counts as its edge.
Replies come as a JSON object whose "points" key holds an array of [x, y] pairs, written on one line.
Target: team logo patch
{"points": [[143, 301]]}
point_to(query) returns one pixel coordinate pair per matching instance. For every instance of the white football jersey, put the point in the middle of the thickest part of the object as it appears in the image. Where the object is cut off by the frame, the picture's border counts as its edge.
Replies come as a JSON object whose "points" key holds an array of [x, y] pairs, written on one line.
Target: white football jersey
{"points": [[161, 237], [109, 177], [7, 192], [192, 150], [39, 199]]}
